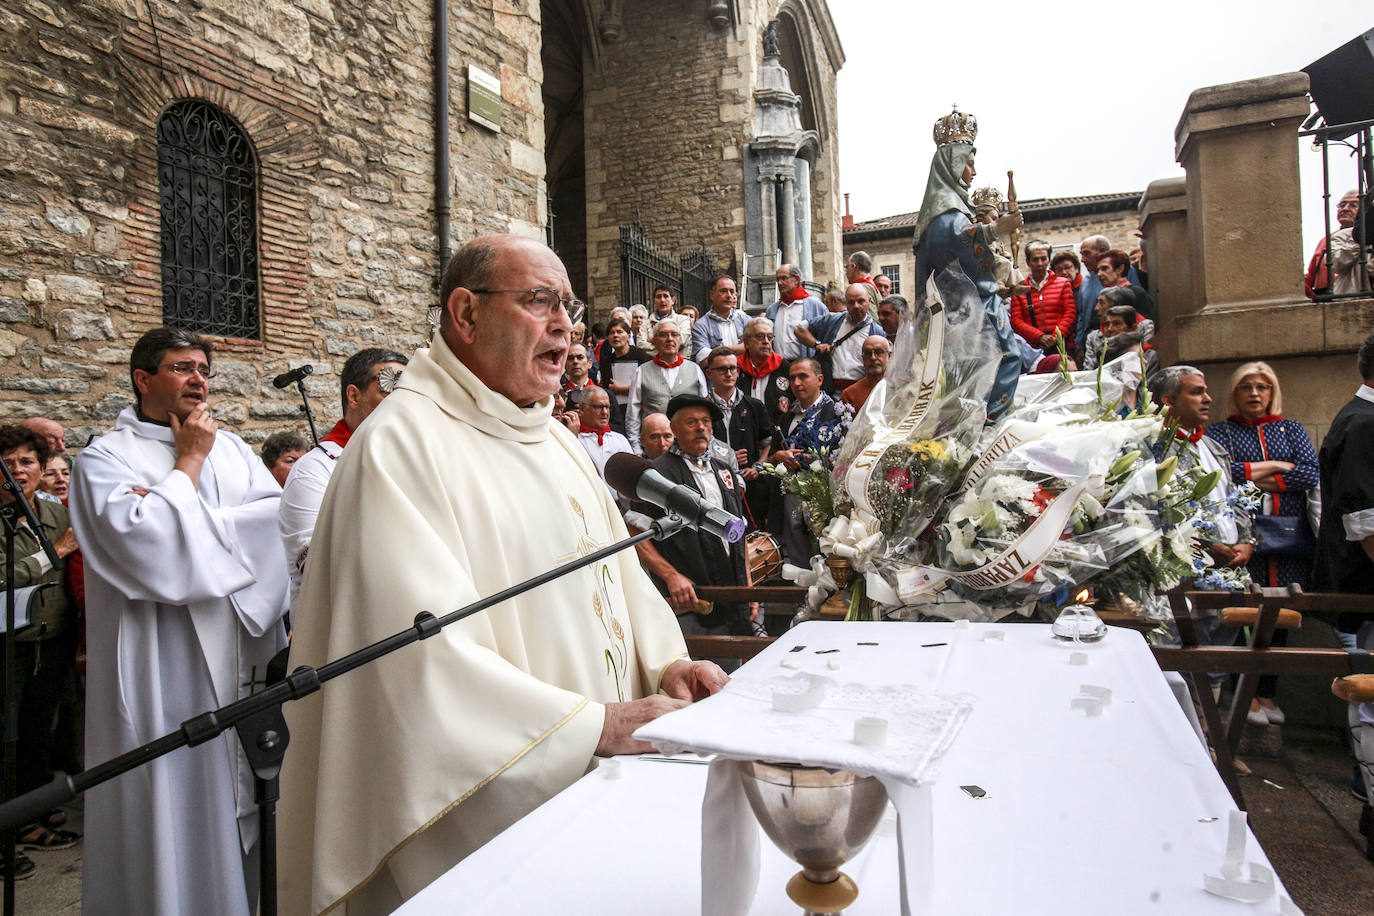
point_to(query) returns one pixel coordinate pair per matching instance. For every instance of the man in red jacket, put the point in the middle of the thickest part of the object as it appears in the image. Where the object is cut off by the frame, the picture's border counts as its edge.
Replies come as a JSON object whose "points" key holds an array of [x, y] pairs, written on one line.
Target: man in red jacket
{"points": [[1048, 307]]}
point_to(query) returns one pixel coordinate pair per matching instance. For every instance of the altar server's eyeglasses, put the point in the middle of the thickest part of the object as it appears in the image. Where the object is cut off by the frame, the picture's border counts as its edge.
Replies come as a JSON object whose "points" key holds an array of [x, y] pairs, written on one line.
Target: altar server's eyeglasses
{"points": [[186, 368], [542, 302]]}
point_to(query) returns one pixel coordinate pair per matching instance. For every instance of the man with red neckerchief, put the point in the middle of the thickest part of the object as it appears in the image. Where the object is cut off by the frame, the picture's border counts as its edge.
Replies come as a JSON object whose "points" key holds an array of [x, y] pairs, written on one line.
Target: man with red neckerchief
{"points": [[661, 379], [763, 371], [367, 378], [794, 306], [1183, 390], [595, 433], [858, 269]]}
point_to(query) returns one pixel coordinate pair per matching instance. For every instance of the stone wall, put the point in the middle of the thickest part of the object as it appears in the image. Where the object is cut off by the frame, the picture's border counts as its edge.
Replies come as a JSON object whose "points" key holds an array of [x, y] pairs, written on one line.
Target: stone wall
{"points": [[336, 96], [667, 113], [642, 140]]}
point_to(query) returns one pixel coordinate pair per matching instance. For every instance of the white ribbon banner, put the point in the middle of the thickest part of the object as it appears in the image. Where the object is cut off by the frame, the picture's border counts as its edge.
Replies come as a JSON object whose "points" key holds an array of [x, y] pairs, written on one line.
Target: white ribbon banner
{"points": [[1024, 554], [1016, 432], [859, 472]]}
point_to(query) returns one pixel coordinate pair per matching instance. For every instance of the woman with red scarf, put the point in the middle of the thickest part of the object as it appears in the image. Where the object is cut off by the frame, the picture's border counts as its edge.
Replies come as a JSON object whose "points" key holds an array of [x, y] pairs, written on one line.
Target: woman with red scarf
{"points": [[1277, 456]]}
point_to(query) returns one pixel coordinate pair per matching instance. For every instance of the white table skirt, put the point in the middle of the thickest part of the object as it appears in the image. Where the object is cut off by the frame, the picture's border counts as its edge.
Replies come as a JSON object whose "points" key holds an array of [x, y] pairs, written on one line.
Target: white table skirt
{"points": [[1120, 813]]}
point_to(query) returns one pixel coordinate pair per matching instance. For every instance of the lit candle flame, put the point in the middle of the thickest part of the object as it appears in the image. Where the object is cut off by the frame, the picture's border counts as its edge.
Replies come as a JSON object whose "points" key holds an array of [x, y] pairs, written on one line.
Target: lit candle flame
{"points": [[1081, 596]]}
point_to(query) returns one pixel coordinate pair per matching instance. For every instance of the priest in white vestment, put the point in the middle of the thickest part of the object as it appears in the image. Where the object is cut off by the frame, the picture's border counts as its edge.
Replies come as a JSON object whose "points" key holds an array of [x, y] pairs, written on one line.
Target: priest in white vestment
{"points": [[460, 485], [185, 590]]}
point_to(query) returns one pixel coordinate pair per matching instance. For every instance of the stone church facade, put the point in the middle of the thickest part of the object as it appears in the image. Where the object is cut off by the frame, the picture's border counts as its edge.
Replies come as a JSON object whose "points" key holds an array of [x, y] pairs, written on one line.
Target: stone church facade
{"points": [[315, 125]]}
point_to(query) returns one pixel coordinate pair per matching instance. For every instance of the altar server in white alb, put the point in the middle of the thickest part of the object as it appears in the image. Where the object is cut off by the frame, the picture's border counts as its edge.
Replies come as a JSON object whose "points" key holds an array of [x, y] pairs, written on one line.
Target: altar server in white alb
{"points": [[185, 589], [367, 377], [460, 484]]}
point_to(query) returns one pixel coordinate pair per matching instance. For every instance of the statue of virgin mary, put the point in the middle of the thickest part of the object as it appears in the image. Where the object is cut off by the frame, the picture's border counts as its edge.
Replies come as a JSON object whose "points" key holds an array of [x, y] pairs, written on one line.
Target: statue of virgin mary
{"points": [[949, 242]]}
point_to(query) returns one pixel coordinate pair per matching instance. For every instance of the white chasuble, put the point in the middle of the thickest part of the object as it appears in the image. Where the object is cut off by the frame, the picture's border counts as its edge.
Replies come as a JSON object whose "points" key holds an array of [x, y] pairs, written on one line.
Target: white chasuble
{"points": [[184, 598], [449, 493]]}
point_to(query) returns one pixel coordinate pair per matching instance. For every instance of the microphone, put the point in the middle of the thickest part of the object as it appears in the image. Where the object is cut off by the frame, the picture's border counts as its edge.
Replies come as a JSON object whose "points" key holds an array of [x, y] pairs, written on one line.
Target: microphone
{"points": [[292, 376], [635, 477]]}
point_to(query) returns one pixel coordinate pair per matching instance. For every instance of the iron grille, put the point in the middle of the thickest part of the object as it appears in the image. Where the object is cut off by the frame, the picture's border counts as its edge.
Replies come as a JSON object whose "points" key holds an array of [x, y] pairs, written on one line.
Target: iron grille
{"points": [[698, 270], [207, 189], [644, 265]]}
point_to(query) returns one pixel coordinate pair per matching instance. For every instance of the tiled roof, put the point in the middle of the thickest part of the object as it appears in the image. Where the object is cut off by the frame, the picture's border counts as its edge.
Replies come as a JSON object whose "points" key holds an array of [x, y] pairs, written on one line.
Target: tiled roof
{"points": [[1042, 206]]}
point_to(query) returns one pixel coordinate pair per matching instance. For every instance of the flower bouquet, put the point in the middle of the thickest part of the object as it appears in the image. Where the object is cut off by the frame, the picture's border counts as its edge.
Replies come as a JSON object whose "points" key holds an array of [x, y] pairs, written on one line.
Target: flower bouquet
{"points": [[818, 443], [1084, 502], [919, 426]]}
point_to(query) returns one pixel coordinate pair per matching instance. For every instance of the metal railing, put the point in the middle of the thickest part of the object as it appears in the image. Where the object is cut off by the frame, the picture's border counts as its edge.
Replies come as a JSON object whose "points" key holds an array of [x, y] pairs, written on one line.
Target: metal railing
{"points": [[1354, 279], [645, 264]]}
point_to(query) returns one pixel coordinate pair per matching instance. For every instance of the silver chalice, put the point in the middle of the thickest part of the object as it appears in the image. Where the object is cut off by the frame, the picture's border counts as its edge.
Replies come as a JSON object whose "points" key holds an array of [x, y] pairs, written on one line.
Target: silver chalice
{"points": [[819, 817]]}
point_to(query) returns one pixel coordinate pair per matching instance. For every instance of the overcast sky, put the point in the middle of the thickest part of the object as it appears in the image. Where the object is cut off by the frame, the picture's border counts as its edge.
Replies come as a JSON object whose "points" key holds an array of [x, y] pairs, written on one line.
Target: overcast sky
{"points": [[1028, 71]]}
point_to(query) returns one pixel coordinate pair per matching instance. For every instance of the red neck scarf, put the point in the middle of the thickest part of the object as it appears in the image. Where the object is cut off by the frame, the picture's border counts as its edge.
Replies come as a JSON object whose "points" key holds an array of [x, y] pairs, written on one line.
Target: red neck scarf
{"points": [[570, 385], [672, 365], [796, 295], [600, 433], [1192, 437], [339, 434], [1267, 418], [770, 364]]}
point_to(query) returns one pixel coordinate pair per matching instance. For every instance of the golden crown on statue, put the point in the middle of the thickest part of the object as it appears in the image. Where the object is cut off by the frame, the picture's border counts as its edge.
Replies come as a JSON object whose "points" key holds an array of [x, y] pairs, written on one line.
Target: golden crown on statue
{"points": [[956, 127], [986, 197]]}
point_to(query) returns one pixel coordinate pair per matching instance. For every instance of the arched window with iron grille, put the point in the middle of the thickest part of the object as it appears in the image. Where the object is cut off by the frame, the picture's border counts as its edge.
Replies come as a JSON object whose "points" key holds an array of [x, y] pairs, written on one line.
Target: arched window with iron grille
{"points": [[207, 189]]}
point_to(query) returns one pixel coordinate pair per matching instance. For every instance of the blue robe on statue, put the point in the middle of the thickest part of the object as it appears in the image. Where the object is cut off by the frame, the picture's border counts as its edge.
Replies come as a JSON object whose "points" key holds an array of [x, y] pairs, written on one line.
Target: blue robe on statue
{"points": [[950, 238]]}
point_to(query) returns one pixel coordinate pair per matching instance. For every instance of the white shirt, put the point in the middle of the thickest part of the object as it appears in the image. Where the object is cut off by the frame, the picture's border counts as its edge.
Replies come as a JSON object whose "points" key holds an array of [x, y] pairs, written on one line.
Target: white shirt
{"points": [[709, 485], [788, 318], [600, 452], [300, 506], [1226, 525], [847, 360]]}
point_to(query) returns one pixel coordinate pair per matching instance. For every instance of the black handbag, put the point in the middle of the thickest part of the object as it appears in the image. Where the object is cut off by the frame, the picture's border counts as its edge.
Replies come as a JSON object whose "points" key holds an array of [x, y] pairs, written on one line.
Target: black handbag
{"points": [[1284, 535]]}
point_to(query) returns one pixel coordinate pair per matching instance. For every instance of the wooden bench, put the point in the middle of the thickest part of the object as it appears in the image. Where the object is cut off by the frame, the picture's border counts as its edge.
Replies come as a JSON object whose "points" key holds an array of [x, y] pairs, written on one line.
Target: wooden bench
{"points": [[1263, 610]]}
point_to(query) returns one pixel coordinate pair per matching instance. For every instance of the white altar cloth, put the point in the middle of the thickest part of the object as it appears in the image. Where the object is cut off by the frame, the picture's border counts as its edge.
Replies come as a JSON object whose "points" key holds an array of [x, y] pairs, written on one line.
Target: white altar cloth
{"points": [[1150, 816]]}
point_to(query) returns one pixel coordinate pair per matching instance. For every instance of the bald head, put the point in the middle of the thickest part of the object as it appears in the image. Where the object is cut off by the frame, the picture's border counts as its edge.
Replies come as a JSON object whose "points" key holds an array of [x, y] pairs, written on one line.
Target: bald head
{"points": [[857, 300], [500, 335], [1091, 250], [50, 430], [655, 435], [876, 352]]}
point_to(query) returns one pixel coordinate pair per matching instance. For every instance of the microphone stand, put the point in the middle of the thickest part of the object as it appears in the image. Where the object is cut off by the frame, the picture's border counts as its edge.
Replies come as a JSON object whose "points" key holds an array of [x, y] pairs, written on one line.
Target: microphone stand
{"points": [[305, 408], [262, 728], [10, 514]]}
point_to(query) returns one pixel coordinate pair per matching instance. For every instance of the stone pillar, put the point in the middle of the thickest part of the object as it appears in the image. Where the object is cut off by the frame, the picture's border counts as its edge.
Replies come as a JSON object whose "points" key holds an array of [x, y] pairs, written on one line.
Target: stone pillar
{"points": [[1239, 145], [768, 207], [788, 219], [1164, 223]]}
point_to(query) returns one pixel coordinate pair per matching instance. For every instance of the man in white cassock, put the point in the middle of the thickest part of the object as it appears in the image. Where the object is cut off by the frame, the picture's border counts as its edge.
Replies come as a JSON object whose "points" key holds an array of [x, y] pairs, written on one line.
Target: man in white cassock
{"points": [[185, 590], [461, 484]]}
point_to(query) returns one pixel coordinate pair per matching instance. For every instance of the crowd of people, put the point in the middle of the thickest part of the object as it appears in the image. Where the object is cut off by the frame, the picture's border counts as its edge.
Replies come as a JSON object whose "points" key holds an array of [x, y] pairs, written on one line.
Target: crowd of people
{"points": [[187, 562]]}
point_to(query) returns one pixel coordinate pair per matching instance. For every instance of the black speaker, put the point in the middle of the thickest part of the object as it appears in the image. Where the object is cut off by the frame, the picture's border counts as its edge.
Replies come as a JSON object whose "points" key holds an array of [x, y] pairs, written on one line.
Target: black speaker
{"points": [[1342, 82]]}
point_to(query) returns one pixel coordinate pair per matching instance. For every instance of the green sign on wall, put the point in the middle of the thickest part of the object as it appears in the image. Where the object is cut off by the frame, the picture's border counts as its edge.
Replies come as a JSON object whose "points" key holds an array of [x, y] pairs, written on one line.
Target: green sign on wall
{"points": [[484, 98]]}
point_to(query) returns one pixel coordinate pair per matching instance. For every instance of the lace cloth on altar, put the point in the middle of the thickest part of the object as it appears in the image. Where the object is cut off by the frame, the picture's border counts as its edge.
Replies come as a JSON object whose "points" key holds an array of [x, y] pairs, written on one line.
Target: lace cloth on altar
{"points": [[810, 719]]}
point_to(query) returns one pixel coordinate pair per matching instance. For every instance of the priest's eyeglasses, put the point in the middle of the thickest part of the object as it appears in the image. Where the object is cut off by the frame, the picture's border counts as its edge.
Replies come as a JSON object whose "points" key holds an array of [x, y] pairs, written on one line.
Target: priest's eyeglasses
{"points": [[542, 302], [186, 368]]}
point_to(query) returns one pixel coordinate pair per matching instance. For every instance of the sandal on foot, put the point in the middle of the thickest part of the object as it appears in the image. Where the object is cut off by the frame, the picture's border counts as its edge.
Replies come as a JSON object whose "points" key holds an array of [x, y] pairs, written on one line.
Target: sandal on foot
{"points": [[23, 866], [36, 836]]}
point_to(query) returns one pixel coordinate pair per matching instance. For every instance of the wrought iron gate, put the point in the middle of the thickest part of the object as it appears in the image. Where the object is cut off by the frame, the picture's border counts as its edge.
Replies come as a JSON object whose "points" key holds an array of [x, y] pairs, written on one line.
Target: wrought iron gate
{"points": [[644, 265]]}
